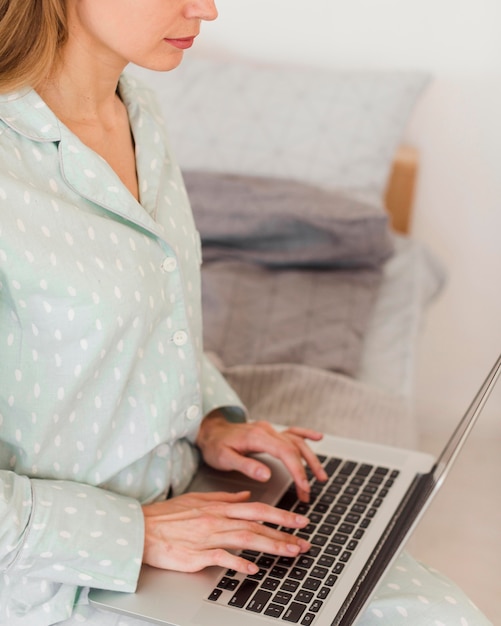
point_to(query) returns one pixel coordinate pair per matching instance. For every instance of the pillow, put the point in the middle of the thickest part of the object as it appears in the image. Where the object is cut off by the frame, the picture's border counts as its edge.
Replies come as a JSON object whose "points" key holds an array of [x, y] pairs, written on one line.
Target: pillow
{"points": [[336, 129], [285, 223], [257, 315]]}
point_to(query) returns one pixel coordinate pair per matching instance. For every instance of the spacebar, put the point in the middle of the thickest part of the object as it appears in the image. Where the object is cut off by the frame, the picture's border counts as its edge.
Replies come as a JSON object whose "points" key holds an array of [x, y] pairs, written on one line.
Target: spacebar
{"points": [[243, 593]]}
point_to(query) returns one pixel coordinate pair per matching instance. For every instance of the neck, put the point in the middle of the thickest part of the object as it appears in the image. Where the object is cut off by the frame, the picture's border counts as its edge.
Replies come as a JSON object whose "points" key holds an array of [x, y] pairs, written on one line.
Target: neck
{"points": [[82, 86]]}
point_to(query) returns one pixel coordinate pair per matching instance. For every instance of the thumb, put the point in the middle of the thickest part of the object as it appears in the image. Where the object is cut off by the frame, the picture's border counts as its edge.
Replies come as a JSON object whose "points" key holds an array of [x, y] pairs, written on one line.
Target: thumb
{"points": [[246, 465]]}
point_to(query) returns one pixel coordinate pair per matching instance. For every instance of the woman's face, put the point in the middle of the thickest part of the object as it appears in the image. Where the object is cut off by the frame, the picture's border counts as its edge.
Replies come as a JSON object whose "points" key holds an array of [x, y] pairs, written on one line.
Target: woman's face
{"points": [[149, 33]]}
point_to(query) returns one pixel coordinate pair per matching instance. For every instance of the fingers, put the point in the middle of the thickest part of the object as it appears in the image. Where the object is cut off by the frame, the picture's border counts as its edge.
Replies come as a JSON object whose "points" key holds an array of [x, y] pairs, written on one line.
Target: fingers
{"points": [[192, 531], [290, 447]]}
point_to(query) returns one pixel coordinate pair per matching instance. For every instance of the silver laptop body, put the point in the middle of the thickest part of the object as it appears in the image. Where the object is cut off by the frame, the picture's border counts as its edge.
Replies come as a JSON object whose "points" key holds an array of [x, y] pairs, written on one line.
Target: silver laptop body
{"points": [[404, 483]]}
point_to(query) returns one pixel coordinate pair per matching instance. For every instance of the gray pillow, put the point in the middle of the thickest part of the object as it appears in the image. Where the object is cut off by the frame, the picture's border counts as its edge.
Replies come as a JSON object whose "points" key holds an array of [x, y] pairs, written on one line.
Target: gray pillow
{"points": [[285, 223]]}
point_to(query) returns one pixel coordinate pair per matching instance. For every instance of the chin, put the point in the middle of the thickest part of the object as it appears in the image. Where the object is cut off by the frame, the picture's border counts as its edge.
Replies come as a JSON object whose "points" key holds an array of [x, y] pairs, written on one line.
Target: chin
{"points": [[161, 64]]}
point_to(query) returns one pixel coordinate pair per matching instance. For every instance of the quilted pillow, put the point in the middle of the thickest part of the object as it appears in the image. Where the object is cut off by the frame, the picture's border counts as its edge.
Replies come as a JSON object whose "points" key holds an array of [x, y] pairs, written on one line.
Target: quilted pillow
{"points": [[337, 129]]}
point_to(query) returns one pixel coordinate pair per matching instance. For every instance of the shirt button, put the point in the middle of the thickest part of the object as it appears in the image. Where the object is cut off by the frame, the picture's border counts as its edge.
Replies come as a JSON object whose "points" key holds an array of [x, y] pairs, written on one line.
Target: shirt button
{"points": [[169, 264], [193, 412], [180, 337]]}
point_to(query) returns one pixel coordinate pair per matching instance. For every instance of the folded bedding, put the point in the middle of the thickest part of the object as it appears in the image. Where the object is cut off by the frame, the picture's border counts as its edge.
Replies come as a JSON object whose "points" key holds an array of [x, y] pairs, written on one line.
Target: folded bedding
{"points": [[291, 271], [286, 223]]}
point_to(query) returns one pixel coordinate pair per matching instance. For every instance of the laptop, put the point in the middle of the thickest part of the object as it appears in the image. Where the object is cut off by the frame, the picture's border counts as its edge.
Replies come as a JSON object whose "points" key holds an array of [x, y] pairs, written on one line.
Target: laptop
{"points": [[359, 521]]}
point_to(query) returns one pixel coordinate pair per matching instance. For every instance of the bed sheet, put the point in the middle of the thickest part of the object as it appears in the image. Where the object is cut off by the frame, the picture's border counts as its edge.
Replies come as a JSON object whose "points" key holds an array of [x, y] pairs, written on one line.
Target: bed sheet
{"points": [[412, 278]]}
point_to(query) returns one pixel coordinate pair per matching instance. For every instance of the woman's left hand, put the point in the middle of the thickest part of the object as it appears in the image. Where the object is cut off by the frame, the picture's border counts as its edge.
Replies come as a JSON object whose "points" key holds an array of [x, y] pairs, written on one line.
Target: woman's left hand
{"points": [[226, 446]]}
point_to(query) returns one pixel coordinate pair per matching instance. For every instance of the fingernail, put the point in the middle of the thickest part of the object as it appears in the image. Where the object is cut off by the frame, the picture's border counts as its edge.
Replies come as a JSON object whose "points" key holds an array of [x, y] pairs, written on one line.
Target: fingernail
{"points": [[305, 545], [263, 473], [305, 485], [252, 568], [301, 520], [293, 548]]}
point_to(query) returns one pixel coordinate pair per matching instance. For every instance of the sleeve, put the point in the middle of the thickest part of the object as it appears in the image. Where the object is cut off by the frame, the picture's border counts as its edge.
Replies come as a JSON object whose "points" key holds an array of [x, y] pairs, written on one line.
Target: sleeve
{"points": [[217, 394], [69, 533]]}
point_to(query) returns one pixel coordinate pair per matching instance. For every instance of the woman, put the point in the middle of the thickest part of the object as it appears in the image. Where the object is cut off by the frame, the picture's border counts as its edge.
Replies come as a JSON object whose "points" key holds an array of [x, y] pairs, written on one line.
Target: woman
{"points": [[106, 397]]}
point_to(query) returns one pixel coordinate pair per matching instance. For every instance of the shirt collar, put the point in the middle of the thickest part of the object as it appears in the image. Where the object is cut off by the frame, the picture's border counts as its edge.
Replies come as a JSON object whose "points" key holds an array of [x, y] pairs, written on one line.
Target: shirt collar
{"points": [[27, 114]]}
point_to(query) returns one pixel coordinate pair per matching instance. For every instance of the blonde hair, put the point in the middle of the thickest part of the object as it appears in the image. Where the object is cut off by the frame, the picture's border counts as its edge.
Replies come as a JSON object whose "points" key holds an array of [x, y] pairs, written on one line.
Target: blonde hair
{"points": [[31, 34]]}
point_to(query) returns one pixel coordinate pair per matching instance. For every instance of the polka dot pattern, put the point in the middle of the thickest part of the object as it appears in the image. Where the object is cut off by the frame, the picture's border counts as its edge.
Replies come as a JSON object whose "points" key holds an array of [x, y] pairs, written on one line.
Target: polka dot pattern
{"points": [[101, 359], [100, 336], [414, 595]]}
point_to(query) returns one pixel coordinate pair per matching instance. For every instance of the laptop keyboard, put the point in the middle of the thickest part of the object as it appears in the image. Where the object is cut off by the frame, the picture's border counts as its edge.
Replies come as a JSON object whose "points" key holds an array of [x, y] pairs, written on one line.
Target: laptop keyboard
{"points": [[294, 589]]}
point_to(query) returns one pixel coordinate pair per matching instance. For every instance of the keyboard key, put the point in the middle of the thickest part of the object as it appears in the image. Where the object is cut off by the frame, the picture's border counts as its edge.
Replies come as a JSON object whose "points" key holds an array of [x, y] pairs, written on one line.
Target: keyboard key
{"points": [[303, 596], [347, 529], [316, 606], [332, 549], [312, 584], [265, 561], [305, 561], [281, 597], [230, 584], [319, 540], [259, 575], [270, 583], [331, 466], [259, 601], [215, 594], [348, 468], [287, 500], [278, 572], [364, 469], [323, 593], [326, 561], [319, 572], [297, 573], [243, 593], [290, 585], [274, 610], [326, 529], [308, 619], [331, 580], [294, 612]]}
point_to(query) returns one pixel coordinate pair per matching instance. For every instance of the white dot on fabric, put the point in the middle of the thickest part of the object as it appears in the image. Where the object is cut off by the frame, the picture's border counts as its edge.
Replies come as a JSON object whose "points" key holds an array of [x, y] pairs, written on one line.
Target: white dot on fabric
{"points": [[85, 577], [450, 600], [402, 610], [378, 613]]}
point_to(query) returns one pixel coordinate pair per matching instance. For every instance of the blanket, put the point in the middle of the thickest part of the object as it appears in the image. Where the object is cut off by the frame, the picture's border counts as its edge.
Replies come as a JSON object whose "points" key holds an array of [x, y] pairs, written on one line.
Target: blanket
{"points": [[291, 272], [290, 394]]}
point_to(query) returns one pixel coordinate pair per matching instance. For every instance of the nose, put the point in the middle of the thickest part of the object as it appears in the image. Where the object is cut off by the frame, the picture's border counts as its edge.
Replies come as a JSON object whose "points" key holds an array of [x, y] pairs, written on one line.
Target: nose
{"points": [[202, 9]]}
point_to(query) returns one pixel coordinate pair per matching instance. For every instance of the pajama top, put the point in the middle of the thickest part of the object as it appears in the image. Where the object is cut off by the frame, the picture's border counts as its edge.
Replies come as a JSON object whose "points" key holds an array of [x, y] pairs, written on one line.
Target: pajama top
{"points": [[103, 381]]}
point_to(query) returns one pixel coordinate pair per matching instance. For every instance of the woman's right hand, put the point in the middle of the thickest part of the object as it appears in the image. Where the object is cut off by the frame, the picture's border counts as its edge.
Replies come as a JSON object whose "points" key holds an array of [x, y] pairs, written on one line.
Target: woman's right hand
{"points": [[195, 530]]}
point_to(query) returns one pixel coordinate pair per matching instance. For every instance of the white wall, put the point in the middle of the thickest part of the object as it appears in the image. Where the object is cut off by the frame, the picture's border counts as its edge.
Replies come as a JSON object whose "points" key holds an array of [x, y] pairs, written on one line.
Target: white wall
{"points": [[457, 128]]}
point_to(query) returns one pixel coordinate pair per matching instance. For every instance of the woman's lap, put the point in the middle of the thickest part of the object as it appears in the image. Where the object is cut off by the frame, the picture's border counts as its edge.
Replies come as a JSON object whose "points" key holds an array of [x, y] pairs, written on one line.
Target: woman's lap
{"points": [[411, 594]]}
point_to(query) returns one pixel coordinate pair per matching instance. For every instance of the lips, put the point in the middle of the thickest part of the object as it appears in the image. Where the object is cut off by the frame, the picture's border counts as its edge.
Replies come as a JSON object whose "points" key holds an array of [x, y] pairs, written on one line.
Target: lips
{"points": [[183, 43]]}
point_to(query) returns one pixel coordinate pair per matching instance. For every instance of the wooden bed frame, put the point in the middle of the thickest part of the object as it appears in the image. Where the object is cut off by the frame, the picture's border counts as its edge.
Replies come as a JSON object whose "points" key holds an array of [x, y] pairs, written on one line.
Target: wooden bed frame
{"points": [[400, 190]]}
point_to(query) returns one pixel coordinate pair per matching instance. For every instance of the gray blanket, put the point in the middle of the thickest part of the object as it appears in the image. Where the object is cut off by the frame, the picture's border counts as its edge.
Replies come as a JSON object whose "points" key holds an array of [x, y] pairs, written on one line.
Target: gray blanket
{"points": [[291, 272]]}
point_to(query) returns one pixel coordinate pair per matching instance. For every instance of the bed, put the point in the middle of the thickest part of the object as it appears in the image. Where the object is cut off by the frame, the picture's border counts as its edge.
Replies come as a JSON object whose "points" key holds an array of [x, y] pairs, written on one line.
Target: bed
{"points": [[314, 289]]}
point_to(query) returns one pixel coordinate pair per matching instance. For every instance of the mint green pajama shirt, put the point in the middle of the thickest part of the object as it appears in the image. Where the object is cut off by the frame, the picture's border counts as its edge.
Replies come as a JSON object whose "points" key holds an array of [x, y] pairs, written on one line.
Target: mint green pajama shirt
{"points": [[103, 381]]}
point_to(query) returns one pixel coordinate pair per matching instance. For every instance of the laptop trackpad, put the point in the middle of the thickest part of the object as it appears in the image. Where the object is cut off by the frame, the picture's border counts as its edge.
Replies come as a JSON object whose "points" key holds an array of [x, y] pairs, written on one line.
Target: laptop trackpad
{"points": [[208, 479]]}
